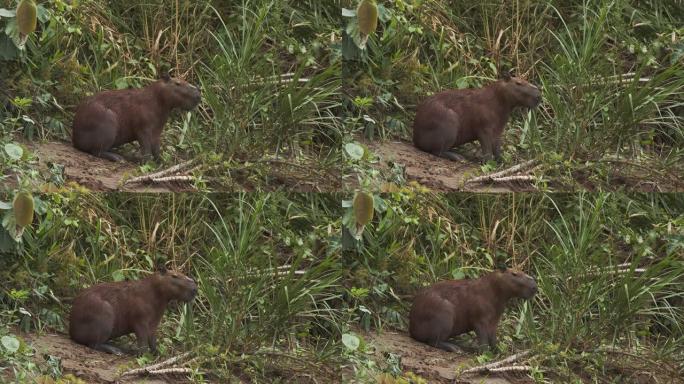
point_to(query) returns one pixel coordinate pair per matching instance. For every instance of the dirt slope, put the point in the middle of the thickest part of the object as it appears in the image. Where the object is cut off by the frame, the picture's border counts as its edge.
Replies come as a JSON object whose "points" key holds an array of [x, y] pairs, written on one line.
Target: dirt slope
{"points": [[433, 364], [87, 364], [434, 172]]}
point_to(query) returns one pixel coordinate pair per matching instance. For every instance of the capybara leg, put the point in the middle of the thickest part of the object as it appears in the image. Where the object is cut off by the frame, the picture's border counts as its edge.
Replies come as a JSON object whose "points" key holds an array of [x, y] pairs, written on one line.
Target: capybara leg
{"points": [[145, 150], [447, 346], [155, 148], [487, 147], [108, 348], [111, 156], [497, 150], [487, 338], [450, 155]]}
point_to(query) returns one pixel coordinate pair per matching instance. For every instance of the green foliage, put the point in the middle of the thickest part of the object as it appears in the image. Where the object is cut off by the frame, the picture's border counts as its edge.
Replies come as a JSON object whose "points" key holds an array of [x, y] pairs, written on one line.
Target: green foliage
{"points": [[609, 268], [610, 73]]}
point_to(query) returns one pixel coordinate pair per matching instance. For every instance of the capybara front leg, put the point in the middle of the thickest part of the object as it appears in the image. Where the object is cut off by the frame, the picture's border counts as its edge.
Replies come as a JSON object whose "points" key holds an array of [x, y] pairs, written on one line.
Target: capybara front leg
{"points": [[487, 147], [152, 343], [497, 149], [145, 149]]}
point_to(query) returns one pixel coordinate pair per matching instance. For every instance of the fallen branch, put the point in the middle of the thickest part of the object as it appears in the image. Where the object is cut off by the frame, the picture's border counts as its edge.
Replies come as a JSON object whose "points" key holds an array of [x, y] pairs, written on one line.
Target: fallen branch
{"points": [[159, 174], [497, 364], [514, 178], [158, 366], [173, 178], [170, 370], [505, 172]]}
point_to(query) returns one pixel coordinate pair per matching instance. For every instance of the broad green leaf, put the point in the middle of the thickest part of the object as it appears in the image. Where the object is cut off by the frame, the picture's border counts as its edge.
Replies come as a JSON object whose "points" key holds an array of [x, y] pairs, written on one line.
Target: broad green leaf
{"points": [[13, 151], [350, 341], [10, 343]]}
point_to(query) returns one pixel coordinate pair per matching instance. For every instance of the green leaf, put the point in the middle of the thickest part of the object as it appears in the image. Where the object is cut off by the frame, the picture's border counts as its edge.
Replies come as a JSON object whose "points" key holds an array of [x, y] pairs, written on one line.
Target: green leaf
{"points": [[354, 150], [13, 151], [118, 275], [350, 341], [7, 12], [10, 343]]}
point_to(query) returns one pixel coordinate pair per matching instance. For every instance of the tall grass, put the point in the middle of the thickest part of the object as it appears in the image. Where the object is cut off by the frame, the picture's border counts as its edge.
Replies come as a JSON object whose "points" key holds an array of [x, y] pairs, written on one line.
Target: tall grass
{"points": [[265, 265], [609, 268], [608, 69]]}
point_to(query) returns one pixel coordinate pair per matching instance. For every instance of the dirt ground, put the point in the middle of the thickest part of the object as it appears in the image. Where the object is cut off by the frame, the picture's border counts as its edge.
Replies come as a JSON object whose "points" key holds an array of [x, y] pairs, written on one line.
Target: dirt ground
{"points": [[435, 172], [89, 365], [435, 365], [99, 175], [444, 175]]}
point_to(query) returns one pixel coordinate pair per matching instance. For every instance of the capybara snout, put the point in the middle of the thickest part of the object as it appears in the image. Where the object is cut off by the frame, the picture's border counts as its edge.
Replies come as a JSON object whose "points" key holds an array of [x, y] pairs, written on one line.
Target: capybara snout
{"points": [[109, 310], [179, 93], [452, 307], [523, 92]]}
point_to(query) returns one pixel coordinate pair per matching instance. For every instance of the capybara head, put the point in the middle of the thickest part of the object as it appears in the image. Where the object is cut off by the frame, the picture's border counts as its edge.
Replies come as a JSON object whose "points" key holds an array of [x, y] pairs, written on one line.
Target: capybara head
{"points": [[520, 91], [174, 285], [516, 283], [178, 93]]}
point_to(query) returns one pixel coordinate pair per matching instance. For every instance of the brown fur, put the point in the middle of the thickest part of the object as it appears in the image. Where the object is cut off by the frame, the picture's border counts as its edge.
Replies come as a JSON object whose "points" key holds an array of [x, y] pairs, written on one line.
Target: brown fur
{"points": [[109, 310], [454, 117], [109, 119], [452, 307]]}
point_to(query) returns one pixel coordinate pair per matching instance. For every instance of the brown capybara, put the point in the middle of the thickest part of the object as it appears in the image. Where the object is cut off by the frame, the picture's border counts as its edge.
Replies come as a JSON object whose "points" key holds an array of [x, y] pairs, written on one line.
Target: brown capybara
{"points": [[109, 119], [454, 117], [109, 310], [452, 307]]}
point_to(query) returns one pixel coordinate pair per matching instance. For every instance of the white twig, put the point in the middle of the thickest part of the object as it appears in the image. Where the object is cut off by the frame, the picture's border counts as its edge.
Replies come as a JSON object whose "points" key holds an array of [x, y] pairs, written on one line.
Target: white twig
{"points": [[172, 178], [514, 178], [157, 366], [159, 174], [489, 367], [170, 370], [505, 172]]}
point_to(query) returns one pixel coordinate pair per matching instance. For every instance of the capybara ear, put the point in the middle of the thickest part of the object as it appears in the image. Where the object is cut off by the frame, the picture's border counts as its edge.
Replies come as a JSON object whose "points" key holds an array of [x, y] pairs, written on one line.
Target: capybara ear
{"points": [[506, 75], [166, 76], [501, 266], [161, 268]]}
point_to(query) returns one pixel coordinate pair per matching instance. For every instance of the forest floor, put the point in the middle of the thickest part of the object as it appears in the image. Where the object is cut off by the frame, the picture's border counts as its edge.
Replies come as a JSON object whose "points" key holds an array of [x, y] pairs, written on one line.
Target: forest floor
{"points": [[89, 365], [445, 175], [433, 364], [60, 160]]}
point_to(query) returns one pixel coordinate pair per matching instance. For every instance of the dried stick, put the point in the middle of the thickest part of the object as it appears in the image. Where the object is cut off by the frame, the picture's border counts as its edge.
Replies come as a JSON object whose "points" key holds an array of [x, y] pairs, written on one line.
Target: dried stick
{"points": [[497, 364], [514, 178], [159, 174], [505, 172], [157, 366], [172, 178]]}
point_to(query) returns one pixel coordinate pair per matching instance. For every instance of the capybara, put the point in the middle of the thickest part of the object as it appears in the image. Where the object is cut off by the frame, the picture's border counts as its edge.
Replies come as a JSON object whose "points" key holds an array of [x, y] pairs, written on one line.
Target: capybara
{"points": [[109, 310], [454, 117], [452, 307], [109, 119]]}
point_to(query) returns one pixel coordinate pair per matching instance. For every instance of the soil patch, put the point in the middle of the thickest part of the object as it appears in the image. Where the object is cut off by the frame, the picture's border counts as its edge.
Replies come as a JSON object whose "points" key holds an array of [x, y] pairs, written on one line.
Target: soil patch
{"points": [[435, 365], [87, 364], [435, 172], [89, 171]]}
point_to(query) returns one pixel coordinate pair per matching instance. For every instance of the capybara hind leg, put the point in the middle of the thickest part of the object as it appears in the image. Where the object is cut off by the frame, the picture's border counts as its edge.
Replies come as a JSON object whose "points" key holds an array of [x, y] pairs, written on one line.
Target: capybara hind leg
{"points": [[108, 348], [450, 155], [111, 156], [447, 346]]}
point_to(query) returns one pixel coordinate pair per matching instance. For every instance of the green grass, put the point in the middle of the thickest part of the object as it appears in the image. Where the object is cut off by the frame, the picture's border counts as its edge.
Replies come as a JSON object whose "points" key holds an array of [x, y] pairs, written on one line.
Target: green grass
{"points": [[269, 73], [609, 269], [610, 71], [265, 264]]}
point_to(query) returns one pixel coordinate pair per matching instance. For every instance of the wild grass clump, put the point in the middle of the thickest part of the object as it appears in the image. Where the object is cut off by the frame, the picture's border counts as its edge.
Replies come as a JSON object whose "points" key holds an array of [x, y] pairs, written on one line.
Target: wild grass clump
{"points": [[610, 70], [265, 265], [268, 71], [609, 269]]}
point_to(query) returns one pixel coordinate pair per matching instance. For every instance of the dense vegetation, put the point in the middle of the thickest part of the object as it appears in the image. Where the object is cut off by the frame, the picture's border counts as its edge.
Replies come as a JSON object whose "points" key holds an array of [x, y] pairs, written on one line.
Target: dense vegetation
{"points": [[267, 68], [266, 264], [279, 288], [610, 269], [611, 72]]}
